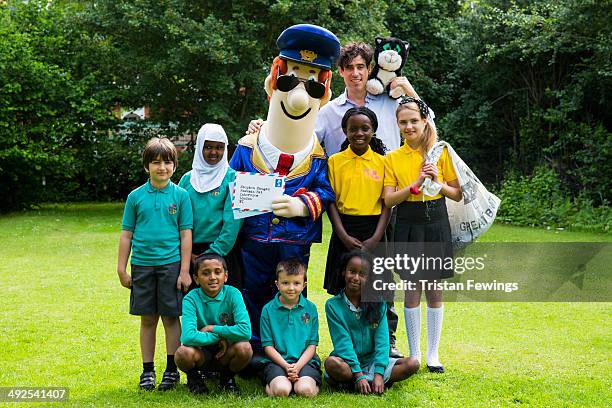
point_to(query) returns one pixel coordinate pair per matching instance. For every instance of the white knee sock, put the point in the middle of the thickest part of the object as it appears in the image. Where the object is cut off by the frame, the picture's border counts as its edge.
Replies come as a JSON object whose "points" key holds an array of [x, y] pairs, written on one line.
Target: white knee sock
{"points": [[412, 318], [434, 332]]}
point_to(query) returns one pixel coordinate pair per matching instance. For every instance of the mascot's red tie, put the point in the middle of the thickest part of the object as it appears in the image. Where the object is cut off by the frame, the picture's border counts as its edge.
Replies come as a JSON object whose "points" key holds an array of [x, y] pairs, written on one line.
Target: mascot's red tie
{"points": [[284, 164]]}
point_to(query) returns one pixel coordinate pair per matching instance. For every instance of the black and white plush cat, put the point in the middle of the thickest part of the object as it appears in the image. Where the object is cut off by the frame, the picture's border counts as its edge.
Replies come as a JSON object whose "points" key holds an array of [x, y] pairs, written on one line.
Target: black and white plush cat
{"points": [[390, 56]]}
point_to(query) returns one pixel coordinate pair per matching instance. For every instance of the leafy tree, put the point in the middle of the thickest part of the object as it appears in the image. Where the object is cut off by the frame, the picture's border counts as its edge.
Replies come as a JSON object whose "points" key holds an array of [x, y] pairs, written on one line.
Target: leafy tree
{"points": [[48, 103], [428, 25], [516, 85], [64, 64], [535, 80], [197, 62]]}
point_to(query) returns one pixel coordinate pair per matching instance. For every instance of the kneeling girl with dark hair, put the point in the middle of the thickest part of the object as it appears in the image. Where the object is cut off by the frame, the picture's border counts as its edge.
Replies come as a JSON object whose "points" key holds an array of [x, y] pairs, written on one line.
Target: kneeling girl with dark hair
{"points": [[360, 335]]}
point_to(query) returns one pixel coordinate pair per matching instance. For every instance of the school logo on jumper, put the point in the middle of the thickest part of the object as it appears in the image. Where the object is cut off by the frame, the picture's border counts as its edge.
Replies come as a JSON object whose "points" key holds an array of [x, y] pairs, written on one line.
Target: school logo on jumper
{"points": [[172, 209], [306, 318], [215, 192], [226, 319], [373, 325]]}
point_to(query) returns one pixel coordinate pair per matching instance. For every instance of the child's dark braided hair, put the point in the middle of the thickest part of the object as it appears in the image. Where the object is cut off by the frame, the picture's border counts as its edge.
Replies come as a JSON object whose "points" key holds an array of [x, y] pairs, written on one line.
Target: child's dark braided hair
{"points": [[371, 311], [376, 144]]}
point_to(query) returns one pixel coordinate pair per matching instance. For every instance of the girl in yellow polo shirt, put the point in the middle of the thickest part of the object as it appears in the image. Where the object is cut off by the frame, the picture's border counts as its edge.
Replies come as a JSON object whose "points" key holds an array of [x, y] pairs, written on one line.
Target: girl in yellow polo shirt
{"points": [[356, 174], [422, 228]]}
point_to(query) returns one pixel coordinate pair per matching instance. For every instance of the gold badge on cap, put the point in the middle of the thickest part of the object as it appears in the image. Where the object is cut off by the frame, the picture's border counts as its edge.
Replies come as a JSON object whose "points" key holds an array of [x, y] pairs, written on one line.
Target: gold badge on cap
{"points": [[308, 55]]}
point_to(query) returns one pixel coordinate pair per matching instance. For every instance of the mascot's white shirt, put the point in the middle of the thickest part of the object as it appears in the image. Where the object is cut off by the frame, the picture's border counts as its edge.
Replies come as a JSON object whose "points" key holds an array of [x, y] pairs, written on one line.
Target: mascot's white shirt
{"points": [[271, 153]]}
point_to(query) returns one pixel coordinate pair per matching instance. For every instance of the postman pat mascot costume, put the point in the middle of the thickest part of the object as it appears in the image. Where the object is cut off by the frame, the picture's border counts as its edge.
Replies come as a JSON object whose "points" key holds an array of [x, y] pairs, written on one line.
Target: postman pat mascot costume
{"points": [[297, 87]]}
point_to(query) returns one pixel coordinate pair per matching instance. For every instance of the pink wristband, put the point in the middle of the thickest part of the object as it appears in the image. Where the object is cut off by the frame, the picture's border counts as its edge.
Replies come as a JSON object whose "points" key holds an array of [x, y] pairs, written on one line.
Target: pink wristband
{"points": [[414, 190]]}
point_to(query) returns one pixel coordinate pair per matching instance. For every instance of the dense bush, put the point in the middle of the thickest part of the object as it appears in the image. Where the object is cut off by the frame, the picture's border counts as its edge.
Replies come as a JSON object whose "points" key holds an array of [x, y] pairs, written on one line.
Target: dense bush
{"points": [[51, 99], [113, 165], [542, 200], [534, 81]]}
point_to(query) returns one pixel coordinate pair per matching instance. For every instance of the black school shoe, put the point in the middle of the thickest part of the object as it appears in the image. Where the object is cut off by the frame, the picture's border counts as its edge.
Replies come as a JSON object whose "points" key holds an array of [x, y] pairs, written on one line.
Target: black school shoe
{"points": [[169, 381], [209, 374], [435, 369], [227, 382], [195, 383], [395, 353], [147, 381]]}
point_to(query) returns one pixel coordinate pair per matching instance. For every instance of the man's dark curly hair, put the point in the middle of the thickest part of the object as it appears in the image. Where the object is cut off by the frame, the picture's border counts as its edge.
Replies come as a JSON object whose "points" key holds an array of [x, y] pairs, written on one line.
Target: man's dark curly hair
{"points": [[355, 49]]}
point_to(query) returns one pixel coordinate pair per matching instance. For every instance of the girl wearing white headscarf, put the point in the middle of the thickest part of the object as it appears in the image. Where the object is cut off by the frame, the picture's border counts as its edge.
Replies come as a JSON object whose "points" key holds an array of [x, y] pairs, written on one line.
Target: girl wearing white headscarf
{"points": [[214, 227]]}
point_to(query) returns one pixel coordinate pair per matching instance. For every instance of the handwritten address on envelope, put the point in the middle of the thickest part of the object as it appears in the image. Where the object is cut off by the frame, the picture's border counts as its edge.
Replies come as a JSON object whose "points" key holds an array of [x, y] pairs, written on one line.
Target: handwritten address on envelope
{"points": [[255, 192]]}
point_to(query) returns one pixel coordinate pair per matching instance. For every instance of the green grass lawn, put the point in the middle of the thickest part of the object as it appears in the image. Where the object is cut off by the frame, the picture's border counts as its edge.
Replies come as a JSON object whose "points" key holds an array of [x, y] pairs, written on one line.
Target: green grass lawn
{"points": [[64, 322]]}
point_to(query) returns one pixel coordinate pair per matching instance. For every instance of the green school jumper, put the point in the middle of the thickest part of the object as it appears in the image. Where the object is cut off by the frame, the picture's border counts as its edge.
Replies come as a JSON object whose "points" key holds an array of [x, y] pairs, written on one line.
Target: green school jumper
{"points": [[213, 218], [226, 311], [356, 341]]}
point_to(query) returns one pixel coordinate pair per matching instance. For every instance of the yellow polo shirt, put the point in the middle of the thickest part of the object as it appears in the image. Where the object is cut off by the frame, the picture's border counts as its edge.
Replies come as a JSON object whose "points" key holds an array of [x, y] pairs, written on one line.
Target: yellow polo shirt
{"points": [[403, 166], [357, 181]]}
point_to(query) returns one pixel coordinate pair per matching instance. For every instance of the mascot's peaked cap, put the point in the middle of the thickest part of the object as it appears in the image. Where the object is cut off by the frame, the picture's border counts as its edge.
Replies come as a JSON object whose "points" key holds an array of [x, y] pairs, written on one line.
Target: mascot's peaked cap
{"points": [[309, 44]]}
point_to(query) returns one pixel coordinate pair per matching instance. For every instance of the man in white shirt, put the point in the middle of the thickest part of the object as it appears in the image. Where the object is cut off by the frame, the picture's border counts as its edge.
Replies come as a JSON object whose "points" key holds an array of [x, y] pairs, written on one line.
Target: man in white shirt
{"points": [[354, 67]]}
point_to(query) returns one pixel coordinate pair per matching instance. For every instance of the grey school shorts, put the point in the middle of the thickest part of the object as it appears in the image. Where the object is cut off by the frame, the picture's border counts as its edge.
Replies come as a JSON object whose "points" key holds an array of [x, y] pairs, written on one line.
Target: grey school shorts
{"points": [[272, 370], [154, 290]]}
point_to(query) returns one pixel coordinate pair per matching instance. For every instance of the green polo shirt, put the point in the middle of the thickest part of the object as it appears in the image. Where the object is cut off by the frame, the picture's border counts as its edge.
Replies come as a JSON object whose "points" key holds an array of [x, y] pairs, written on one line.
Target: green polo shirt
{"points": [[290, 331], [356, 341], [213, 218], [156, 218], [226, 311]]}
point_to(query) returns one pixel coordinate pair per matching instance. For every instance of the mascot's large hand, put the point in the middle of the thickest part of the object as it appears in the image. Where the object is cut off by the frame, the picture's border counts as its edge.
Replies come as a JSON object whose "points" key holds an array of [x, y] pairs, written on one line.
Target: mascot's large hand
{"points": [[289, 207]]}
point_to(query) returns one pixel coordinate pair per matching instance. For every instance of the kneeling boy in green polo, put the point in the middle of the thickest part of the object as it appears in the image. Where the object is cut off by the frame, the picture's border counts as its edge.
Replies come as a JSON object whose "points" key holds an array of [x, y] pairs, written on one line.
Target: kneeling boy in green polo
{"points": [[290, 335], [216, 327]]}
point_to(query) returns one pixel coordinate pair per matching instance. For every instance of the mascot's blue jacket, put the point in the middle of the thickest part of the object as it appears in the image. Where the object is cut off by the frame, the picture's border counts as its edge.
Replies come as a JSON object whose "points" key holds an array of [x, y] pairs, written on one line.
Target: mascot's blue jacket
{"points": [[308, 181]]}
